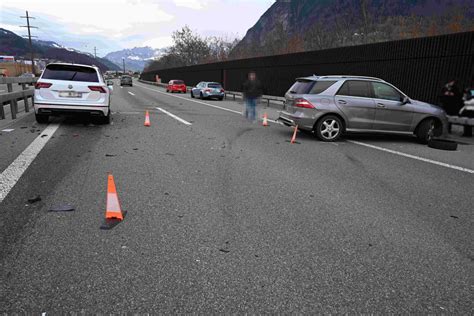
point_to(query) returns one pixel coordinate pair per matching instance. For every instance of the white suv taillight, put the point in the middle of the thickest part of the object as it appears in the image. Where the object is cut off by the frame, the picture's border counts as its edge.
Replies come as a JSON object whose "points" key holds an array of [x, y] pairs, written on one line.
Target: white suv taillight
{"points": [[97, 88], [303, 103], [40, 85]]}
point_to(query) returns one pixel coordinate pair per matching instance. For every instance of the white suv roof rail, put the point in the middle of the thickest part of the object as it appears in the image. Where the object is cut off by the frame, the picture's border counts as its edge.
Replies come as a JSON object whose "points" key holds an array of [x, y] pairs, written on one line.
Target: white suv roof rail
{"points": [[350, 76]]}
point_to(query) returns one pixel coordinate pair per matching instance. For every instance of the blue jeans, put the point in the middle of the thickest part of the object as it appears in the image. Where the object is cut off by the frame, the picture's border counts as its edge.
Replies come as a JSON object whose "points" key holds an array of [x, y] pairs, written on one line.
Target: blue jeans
{"points": [[251, 104]]}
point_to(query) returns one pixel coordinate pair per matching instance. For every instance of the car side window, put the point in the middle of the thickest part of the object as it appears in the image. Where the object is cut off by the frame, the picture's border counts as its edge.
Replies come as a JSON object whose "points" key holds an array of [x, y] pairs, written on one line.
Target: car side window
{"points": [[355, 88], [386, 92]]}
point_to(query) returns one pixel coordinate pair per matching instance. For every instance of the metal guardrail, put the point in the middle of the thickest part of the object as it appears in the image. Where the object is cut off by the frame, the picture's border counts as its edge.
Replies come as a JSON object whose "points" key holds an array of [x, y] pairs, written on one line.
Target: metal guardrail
{"points": [[268, 98], [13, 97]]}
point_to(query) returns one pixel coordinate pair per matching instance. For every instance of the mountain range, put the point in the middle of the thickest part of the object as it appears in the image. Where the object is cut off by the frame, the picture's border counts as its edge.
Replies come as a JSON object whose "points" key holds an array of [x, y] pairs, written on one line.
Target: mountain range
{"points": [[302, 25], [135, 58], [12, 44]]}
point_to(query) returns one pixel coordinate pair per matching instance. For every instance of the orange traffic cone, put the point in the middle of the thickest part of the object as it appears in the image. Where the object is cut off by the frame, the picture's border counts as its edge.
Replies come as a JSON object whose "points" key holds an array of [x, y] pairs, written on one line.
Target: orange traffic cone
{"points": [[293, 139], [113, 212], [265, 118], [147, 119]]}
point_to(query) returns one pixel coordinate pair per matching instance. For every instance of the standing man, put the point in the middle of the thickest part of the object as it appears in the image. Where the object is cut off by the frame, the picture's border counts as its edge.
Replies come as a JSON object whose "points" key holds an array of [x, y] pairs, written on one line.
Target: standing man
{"points": [[451, 98], [252, 89]]}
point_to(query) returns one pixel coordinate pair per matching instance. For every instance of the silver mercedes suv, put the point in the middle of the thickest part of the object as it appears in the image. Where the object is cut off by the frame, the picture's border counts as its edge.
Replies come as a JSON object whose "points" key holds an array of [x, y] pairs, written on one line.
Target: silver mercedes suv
{"points": [[330, 106]]}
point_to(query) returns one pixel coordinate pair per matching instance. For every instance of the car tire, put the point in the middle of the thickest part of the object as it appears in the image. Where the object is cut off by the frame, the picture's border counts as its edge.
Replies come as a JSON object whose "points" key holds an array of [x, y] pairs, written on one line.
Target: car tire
{"points": [[221, 98], [201, 96], [192, 95], [42, 119], [443, 144], [427, 129], [329, 128]]}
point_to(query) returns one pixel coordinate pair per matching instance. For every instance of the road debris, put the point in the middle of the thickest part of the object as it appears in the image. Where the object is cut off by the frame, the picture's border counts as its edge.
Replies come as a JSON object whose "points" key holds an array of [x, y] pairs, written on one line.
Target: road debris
{"points": [[35, 199], [62, 208]]}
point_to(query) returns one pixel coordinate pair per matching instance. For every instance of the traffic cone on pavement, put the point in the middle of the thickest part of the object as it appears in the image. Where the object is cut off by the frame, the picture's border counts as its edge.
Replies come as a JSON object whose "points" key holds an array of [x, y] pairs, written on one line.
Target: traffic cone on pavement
{"points": [[147, 119], [113, 211], [265, 119], [293, 139]]}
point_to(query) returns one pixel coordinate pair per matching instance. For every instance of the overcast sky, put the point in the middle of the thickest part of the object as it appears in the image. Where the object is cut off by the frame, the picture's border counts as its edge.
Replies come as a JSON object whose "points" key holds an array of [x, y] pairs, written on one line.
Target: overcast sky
{"points": [[115, 24]]}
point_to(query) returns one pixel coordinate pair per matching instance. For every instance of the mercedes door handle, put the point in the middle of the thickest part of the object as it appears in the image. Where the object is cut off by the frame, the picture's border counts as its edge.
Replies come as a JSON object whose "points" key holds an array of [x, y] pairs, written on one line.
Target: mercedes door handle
{"points": [[380, 105], [342, 102]]}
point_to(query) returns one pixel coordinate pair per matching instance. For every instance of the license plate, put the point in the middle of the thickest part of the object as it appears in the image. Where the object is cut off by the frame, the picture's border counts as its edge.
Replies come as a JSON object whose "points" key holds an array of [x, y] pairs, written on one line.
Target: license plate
{"points": [[70, 94]]}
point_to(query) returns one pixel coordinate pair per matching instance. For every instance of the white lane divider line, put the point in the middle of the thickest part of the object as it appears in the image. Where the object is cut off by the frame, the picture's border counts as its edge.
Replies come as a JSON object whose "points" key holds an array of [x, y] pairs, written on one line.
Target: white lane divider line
{"points": [[10, 176], [413, 157], [203, 103], [121, 87], [131, 93], [8, 130], [174, 116]]}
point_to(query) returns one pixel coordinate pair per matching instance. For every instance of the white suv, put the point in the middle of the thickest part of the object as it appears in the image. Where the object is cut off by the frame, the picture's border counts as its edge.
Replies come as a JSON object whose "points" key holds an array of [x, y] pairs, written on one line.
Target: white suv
{"points": [[72, 89]]}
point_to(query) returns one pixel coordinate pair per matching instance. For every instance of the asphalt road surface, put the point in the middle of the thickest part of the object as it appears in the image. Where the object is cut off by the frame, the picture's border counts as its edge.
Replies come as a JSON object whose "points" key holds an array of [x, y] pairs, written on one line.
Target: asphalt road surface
{"points": [[226, 216]]}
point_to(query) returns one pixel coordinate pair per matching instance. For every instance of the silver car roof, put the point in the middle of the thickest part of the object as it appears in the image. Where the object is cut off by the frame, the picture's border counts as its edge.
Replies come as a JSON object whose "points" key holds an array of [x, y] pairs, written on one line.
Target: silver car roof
{"points": [[315, 77]]}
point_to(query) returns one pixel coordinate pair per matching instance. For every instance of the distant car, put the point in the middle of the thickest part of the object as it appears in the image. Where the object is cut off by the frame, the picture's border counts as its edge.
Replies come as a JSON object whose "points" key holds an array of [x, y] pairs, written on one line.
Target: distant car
{"points": [[72, 89], [208, 90], [126, 80], [176, 86], [332, 105]]}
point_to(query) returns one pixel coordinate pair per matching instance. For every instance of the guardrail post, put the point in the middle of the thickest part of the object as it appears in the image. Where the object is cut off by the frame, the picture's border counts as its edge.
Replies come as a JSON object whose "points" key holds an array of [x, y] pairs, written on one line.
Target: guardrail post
{"points": [[2, 112], [13, 103], [25, 98]]}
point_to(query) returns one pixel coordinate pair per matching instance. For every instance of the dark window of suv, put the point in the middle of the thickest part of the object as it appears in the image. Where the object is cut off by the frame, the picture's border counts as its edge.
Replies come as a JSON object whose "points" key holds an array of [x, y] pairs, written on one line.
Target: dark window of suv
{"points": [[321, 86], [178, 82], [301, 86], [355, 88], [386, 92], [70, 73]]}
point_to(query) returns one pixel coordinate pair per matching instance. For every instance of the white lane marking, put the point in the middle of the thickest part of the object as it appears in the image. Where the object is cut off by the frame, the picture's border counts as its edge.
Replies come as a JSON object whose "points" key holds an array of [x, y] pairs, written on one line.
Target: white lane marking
{"points": [[10, 176], [121, 87], [204, 103], [8, 130], [174, 116], [413, 157], [131, 93]]}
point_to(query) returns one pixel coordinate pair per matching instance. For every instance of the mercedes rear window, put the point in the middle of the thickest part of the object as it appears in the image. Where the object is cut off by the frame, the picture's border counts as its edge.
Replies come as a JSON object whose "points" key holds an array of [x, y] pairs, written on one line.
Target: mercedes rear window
{"points": [[70, 73], [214, 85], [301, 87]]}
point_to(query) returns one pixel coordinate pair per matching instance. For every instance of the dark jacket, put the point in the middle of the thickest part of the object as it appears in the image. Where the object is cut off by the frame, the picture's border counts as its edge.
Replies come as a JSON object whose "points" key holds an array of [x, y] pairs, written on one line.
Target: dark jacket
{"points": [[252, 89], [451, 99]]}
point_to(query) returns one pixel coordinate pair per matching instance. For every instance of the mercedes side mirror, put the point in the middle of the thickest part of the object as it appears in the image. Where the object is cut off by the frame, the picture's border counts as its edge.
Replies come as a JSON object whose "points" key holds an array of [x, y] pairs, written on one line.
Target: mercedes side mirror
{"points": [[405, 100]]}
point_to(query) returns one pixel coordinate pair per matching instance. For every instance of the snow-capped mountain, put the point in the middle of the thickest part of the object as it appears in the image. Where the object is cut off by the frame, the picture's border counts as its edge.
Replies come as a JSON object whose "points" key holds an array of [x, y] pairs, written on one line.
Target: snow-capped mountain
{"points": [[135, 58], [12, 44]]}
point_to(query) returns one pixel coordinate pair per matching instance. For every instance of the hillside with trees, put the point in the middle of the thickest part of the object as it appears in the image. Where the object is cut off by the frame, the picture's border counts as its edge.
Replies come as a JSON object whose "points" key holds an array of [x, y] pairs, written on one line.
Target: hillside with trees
{"points": [[305, 25], [14, 45]]}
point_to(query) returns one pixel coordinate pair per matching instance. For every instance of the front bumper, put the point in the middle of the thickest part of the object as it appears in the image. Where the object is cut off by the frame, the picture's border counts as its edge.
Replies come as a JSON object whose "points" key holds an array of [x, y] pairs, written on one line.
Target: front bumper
{"points": [[55, 109]]}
